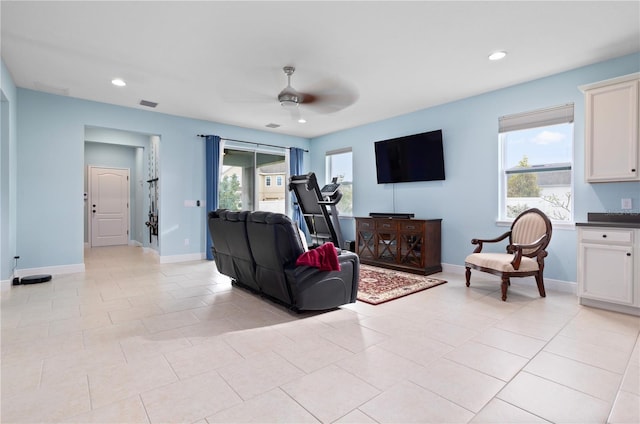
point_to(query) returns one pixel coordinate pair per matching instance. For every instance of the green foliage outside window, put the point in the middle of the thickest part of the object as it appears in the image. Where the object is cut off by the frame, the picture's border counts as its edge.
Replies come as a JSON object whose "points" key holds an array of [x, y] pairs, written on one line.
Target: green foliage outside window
{"points": [[345, 207], [523, 185], [229, 193]]}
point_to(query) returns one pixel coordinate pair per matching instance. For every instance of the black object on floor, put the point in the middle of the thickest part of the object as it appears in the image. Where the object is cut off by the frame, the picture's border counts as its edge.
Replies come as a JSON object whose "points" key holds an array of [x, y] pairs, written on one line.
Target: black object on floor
{"points": [[33, 279]]}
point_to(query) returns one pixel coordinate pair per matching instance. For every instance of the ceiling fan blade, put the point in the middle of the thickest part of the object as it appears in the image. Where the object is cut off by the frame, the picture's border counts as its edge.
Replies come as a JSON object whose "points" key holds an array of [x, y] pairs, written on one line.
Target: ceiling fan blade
{"points": [[330, 96]]}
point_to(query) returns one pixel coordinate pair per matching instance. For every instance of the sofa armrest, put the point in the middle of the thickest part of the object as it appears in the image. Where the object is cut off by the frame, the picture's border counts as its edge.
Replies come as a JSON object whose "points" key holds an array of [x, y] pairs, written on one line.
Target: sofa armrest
{"points": [[313, 289]]}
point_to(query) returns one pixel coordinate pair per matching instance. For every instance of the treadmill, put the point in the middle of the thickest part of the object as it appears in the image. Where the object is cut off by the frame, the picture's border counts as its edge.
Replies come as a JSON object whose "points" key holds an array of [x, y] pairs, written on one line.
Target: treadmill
{"points": [[318, 207]]}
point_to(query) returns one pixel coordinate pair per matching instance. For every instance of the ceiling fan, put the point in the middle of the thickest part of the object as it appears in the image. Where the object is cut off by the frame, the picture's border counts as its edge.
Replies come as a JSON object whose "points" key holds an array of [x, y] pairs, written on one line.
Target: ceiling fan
{"points": [[328, 96], [289, 96]]}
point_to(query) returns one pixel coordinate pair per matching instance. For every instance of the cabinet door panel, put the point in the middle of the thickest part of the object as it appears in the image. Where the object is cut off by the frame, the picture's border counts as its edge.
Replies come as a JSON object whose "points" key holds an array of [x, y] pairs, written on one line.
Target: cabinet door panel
{"points": [[611, 133], [387, 247], [606, 273], [366, 244], [411, 246]]}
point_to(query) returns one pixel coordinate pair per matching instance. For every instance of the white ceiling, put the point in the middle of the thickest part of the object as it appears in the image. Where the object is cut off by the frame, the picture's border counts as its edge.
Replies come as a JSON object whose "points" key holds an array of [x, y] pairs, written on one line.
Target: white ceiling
{"points": [[222, 61]]}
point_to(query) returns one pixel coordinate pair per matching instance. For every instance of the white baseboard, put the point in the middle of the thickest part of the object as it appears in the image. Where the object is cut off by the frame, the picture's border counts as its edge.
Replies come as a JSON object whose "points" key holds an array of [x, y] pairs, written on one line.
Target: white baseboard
{"points": [[151, 250], [632, 310], [135, 243], [182, 258], [549, 283], [53, 270]]}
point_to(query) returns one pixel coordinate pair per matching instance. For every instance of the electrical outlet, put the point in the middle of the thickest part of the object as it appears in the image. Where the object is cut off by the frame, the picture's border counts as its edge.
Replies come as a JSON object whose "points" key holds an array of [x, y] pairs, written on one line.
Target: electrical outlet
{"points": [[626, 204], [186, 242]]}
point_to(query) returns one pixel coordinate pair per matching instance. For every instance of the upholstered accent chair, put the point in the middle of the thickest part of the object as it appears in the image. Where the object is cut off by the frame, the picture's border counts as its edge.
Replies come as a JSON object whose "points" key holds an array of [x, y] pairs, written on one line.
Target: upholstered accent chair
{"points": [[528, 239]]}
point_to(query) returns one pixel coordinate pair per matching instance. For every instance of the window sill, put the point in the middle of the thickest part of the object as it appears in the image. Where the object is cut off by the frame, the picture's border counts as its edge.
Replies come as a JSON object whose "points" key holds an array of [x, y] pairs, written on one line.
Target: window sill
{"points": [[556, 225]]}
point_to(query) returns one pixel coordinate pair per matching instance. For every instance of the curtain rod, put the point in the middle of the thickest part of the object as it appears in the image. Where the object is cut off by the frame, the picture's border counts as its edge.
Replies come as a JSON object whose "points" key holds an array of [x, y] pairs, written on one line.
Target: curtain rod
{"points": [[253, 142]]}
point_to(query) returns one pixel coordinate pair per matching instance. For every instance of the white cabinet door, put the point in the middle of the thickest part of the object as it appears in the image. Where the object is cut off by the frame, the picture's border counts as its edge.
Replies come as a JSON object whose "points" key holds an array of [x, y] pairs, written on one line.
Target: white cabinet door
{"points": [[605, 273], [611, 133]]}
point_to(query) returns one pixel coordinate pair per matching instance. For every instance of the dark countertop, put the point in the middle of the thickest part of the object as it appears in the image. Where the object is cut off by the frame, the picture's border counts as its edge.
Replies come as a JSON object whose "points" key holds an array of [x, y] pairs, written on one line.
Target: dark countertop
{"points": [[611, 220], [608, 224]]}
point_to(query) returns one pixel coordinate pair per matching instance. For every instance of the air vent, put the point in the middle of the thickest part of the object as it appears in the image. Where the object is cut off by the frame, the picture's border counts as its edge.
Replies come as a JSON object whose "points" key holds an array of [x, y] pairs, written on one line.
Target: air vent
{"points": [[272, 125], [148, 103]]}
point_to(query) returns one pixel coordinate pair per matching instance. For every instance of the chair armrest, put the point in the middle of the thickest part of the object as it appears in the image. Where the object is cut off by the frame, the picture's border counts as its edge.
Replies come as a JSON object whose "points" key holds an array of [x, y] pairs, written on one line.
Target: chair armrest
{"points": [[479, 242], [516, 249]]}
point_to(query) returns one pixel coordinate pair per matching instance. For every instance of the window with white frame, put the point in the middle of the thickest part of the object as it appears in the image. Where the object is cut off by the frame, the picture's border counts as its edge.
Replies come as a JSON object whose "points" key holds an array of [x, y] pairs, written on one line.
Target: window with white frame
{"points": [[536, 163], [278, 180], [339, 163], [246, 177]]}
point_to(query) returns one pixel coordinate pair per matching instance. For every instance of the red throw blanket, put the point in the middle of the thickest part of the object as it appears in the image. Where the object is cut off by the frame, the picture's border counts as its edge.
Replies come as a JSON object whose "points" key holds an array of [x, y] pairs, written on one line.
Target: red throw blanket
{"points": [[323, 257]]}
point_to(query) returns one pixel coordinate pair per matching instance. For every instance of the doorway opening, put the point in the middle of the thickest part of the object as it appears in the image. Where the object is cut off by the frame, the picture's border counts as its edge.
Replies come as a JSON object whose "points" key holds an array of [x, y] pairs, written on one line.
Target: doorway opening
{"points": [[113, 150]]}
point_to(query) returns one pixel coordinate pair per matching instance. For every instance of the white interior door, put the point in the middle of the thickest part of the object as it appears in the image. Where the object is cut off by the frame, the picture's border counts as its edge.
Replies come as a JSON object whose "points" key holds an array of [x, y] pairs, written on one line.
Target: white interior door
{"points": [[109, 206]]}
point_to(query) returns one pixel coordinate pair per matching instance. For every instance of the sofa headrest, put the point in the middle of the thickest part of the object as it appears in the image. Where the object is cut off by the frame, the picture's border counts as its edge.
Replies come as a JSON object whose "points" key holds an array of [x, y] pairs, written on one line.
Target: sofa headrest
{"points": [[214, 214], [233, 216], [277, 231], [271, 218]]}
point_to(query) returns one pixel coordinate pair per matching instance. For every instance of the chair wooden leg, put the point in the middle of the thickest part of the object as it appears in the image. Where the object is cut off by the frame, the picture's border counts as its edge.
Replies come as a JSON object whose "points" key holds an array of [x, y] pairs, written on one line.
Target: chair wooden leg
{"points": [[540, 282], [505, 284], [467, 274]]}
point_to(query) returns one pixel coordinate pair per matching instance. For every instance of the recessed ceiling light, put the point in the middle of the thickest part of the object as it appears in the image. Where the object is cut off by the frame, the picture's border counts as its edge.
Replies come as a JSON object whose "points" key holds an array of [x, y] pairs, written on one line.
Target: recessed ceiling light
{"points": [[302, 121], [497, 55], [118, 82]]}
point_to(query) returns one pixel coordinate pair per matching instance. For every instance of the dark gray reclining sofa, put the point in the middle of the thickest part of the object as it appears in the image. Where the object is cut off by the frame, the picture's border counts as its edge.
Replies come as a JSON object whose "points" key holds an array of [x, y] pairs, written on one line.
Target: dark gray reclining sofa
{"points": [[258, 250]]}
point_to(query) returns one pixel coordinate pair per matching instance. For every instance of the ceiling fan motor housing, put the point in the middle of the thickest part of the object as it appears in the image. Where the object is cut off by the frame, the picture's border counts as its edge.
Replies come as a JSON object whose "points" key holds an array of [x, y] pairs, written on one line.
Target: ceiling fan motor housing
{"points": [[289, 97]]}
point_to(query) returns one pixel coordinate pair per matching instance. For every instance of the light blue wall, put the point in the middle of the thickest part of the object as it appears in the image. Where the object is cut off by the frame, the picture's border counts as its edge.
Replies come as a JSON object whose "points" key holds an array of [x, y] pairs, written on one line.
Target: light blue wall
{"points": [[8, 158], [51, 140], [467, 200], [51, 132]]}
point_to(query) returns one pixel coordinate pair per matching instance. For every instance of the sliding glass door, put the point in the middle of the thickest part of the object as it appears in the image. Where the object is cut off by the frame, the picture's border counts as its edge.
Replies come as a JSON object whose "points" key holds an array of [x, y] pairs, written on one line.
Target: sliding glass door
{"points": [[253, 179]]}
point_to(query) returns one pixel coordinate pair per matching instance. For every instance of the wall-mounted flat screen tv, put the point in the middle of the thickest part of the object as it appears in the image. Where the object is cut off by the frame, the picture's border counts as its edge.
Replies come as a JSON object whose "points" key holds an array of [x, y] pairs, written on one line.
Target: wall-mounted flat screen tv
{"points": [[418, 157]]}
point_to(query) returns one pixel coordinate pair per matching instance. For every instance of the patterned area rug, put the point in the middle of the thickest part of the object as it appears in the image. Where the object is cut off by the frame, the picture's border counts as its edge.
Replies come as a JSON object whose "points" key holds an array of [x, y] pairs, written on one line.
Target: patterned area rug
{"points": [[379, 285]]}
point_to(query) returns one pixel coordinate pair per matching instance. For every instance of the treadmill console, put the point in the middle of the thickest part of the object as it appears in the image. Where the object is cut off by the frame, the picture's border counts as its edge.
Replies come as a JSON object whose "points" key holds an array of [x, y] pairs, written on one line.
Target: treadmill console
{"points": [[329, 189]]}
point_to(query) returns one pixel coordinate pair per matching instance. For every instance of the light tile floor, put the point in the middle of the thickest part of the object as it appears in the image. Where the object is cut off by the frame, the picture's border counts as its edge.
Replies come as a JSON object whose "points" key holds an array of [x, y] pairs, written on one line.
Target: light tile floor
{"points": [[133, 341]]}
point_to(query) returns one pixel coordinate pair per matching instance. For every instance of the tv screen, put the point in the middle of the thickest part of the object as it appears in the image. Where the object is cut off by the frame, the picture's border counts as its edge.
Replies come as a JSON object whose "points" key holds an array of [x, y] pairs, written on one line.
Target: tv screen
{"points": [[418, 157]]}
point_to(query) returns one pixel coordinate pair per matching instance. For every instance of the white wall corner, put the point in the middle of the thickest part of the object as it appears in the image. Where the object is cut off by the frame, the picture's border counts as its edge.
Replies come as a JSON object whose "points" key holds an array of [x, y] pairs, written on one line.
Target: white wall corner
{"points": [[152, 251], [5, 284]]}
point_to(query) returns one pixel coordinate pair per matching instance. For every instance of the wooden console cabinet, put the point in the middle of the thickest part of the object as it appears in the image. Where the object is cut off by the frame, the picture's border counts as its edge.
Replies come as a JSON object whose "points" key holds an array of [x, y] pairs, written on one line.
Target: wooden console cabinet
{"points": [[411, 245]]}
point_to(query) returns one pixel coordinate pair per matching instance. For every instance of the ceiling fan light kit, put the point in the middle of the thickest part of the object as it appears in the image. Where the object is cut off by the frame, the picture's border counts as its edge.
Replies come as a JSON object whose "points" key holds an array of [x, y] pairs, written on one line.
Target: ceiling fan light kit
{"points": [[289, 97]]}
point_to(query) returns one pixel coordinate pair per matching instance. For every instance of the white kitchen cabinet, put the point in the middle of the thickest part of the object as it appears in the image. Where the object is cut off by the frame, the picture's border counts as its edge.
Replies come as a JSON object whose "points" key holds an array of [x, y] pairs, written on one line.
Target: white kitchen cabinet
{"points": [[612, 151], [608, 268]]}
